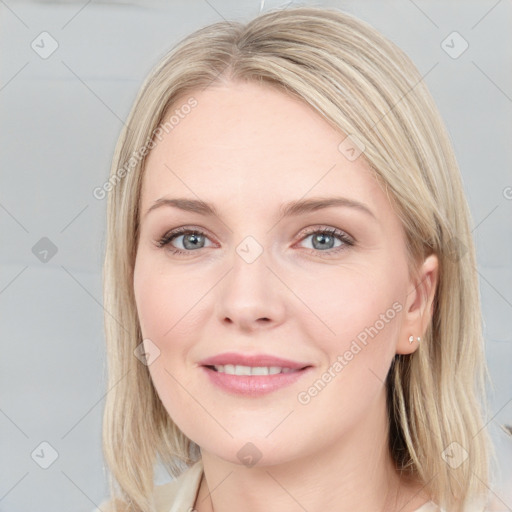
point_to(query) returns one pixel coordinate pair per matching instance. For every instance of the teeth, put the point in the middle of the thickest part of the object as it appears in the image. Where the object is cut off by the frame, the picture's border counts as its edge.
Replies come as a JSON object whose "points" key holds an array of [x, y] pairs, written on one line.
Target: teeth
{"points": [[231, 369]]}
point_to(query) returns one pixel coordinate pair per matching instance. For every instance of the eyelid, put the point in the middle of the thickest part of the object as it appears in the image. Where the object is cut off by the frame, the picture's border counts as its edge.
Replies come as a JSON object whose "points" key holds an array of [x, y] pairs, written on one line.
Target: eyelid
{"points": [[346, 239], [325, 228], [172, 234]]}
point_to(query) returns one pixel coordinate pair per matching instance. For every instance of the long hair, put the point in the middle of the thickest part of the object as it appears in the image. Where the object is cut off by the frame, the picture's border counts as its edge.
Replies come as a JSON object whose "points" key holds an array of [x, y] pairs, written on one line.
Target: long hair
{"points": [[365, 87]]}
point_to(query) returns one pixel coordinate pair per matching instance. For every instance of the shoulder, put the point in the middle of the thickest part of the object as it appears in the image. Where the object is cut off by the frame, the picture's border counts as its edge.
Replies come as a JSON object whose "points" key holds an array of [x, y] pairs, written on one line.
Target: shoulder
{"points": [[180, 493]]}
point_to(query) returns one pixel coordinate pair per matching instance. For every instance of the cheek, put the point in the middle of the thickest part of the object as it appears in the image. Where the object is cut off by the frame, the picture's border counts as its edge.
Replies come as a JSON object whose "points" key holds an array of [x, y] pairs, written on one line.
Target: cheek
{"points": [[166, 315], [362, 312], [164, 300], [151, 304], [171, 306], [363, 315]]}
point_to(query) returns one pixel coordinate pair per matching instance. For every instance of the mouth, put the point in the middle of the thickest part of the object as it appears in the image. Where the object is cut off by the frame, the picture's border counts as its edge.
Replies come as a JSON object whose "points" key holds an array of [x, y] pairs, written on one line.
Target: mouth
{"points": [[241, 370], [253, 381]]}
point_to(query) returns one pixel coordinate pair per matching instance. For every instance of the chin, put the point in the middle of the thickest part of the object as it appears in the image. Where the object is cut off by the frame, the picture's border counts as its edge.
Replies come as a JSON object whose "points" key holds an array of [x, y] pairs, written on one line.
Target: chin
{"points": [[252, 451]]}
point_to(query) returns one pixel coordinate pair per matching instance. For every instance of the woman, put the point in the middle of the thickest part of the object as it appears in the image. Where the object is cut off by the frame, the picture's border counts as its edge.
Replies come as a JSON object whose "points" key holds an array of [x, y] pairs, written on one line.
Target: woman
{"points": [[293, 314]]}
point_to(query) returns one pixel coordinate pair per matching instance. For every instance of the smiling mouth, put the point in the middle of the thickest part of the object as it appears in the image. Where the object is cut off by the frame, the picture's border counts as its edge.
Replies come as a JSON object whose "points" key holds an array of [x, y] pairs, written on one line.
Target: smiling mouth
{"points": [[231, 369]]}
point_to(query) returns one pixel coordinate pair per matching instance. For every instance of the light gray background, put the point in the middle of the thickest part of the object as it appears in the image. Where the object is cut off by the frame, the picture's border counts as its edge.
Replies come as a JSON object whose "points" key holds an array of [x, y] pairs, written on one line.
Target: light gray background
{"points": [[60, 119]]}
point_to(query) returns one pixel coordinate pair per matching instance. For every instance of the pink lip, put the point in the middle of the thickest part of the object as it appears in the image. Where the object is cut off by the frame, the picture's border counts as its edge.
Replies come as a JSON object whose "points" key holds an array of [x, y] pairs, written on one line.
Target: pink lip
{"points": [[251, 360], [252, 385]]}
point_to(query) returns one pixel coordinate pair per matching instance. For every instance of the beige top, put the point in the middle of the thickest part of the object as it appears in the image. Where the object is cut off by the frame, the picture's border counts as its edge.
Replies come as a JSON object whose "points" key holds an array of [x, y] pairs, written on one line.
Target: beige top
{"points": [[180, 494]]}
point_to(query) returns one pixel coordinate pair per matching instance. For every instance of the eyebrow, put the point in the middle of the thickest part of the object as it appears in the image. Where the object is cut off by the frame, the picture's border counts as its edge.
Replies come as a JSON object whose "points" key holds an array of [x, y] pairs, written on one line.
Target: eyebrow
{"points": [[293, 208]]}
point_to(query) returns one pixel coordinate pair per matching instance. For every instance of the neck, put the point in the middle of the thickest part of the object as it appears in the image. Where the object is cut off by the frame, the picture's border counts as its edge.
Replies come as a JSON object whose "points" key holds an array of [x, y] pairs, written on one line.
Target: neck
{"points": [[357, 474]]}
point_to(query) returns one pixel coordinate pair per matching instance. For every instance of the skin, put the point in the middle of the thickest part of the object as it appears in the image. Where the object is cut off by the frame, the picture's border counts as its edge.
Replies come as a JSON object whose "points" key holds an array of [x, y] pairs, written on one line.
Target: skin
{"points": [[247, 149]]}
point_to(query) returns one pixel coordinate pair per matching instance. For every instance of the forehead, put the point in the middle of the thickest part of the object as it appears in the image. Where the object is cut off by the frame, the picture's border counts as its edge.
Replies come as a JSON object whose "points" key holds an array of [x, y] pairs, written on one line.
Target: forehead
{"points": [[251, 144]]}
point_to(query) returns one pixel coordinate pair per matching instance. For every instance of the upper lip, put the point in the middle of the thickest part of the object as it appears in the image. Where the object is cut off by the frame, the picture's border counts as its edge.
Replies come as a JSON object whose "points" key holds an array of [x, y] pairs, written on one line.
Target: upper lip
{"points": [[251, 360]]}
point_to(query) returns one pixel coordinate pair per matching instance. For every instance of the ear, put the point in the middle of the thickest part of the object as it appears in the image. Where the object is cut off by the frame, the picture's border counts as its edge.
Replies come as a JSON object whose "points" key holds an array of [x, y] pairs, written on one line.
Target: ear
{"points": [[419, 306]]}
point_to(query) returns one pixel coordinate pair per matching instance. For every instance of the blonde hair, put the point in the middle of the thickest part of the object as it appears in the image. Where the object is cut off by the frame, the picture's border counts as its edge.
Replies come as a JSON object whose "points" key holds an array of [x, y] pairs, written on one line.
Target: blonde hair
{"points": [[363, 85]]}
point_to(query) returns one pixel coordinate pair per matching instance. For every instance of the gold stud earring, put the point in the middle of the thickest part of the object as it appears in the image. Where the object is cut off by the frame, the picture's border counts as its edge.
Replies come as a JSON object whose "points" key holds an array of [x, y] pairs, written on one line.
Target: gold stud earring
{"points": [[411, 339]]}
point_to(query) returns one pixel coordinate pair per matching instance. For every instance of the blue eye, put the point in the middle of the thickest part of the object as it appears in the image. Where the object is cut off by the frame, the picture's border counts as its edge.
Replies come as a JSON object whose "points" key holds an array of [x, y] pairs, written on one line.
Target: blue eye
{"points": [[192, 239], [322, 239]]}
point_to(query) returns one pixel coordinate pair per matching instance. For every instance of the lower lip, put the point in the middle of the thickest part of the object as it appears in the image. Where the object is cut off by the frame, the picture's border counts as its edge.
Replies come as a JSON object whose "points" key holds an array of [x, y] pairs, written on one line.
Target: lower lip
{"points": [[253, 385]]}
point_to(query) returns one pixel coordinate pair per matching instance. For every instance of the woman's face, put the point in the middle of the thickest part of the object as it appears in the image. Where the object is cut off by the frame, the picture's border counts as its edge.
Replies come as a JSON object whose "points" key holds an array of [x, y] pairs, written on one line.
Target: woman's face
{"points": [[323, 287]]}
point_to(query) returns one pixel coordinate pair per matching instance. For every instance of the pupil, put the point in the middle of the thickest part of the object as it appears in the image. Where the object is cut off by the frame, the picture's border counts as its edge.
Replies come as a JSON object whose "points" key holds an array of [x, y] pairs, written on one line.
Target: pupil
{"points": [[322, 239], [191, 244]]}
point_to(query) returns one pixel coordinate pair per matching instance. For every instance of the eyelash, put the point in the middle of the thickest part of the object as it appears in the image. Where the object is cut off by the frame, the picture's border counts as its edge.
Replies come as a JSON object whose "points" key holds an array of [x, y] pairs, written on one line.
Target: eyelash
{"points": [[347, 240]]}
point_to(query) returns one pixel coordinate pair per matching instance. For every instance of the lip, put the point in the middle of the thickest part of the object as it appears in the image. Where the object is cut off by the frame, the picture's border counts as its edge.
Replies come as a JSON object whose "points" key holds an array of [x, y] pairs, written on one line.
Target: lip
{"points": [[253, 385], [252, 360]]}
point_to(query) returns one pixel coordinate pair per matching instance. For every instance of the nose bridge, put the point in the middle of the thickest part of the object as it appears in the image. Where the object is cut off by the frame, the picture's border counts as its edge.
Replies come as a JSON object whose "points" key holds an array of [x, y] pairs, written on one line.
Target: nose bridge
{"points": [[250, 274], [248, 292]]}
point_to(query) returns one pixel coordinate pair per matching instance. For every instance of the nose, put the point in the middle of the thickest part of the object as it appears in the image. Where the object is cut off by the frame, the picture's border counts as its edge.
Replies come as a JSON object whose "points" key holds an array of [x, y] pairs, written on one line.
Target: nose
{"points": [[250, 296]]}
